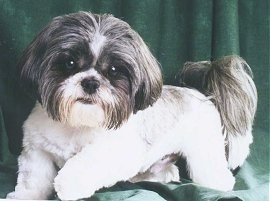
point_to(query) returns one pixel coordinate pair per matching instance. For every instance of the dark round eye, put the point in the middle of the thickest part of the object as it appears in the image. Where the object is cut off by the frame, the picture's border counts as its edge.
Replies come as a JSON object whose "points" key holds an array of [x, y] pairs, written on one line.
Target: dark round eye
{"points": [[113, 71], [70, 64]]}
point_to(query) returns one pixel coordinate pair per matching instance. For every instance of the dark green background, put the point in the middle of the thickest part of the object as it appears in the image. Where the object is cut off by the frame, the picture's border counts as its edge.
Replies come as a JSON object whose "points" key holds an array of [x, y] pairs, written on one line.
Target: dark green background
{"points": [[176, 31]]}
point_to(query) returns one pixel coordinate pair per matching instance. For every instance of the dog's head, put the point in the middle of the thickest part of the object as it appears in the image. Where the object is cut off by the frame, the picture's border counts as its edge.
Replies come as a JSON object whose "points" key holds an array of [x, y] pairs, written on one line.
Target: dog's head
{"points": [[90, 70]]}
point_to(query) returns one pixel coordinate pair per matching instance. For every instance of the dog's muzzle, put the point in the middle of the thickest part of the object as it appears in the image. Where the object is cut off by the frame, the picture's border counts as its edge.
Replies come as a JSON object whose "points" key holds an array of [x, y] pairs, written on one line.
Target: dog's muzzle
{"points": [[90, 85]]}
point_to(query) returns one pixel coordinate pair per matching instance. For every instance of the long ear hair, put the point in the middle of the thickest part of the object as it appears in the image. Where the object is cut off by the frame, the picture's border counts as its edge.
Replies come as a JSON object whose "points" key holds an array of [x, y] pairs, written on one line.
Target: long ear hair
{"points": [[30, 64], [229, 82], [151, 78]]}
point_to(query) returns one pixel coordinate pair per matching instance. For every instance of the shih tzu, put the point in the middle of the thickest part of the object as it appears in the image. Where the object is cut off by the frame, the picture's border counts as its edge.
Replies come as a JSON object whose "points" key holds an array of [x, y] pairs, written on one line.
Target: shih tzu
{"points": [[103, 115]]}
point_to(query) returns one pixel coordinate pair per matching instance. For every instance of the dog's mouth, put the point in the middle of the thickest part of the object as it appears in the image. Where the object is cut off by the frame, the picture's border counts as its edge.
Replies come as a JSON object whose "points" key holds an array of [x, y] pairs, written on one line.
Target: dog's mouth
{"points": [[85, 100]]}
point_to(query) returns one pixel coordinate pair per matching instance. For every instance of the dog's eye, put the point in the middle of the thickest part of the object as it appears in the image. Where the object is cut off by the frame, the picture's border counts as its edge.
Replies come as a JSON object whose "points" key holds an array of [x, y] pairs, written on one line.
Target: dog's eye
{"points": [[70, 64], [114, 71]]}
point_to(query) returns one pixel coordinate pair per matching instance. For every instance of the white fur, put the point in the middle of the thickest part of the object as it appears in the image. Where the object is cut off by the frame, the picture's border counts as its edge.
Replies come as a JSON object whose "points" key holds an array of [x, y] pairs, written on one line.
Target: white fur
{"points": [[238, 149], [97, 44], [91, 157], [82, 114]]}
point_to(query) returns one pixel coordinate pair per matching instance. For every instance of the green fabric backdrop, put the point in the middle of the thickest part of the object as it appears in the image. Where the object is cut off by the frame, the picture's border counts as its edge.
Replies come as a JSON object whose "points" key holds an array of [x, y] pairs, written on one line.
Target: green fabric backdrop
{"points": [[176, 31]]}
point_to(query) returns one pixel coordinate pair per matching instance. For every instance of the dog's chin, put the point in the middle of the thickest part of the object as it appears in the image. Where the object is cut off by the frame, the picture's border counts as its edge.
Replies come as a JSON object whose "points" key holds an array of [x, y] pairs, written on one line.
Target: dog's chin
{"points": [[85, 113], [86, 101]]}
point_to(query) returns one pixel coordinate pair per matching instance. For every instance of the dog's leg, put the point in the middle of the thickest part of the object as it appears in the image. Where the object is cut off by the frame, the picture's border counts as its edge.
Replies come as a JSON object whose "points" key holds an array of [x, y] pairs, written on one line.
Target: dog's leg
{"points": [[35, 176], [238, 149], [101, 164], [207, 164]]}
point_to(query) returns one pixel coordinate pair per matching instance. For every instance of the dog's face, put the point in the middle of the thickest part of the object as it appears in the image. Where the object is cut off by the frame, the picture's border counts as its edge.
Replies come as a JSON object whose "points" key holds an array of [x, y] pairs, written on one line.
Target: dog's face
{"points": [[90, 70]]}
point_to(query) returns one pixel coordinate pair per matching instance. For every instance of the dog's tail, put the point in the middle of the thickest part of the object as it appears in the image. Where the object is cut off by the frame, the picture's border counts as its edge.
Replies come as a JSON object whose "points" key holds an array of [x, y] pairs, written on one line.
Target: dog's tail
{"points": [[228, 81]]}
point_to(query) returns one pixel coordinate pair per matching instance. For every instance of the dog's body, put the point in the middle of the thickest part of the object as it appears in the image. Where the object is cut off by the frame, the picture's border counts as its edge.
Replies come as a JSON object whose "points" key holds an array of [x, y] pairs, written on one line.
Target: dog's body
{"points": [[121, 154], [100, 128]]}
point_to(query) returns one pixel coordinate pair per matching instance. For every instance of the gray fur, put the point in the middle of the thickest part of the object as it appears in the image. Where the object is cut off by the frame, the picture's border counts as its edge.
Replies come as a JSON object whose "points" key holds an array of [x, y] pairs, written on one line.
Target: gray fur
{"points": [[229, 82], [72, 35]]}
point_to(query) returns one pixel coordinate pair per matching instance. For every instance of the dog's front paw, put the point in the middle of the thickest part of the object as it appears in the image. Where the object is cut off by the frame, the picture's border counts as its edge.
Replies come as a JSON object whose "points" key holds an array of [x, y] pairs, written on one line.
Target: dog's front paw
{"points": [[68, 189], [72, 184], [11, 195], [27, 194]]}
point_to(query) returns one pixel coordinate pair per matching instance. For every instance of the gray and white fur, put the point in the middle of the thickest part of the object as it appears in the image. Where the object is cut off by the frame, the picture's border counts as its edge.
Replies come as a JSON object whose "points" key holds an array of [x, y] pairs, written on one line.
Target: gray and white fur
{"points": [[228, 81], [103, 114]]}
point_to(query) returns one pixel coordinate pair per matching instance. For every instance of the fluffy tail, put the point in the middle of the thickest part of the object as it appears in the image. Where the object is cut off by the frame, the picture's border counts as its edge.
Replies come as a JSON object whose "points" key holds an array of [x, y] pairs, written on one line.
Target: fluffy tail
{"points": [[228, 81]]}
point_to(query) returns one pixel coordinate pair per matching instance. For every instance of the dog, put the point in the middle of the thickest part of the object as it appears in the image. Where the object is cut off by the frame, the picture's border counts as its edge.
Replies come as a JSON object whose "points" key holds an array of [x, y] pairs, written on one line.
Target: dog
{"points": [[103, 114]]}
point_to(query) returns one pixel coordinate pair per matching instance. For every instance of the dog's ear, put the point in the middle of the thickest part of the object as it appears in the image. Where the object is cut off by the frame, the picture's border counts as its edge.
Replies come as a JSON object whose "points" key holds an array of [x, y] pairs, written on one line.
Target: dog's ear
{"points": [[146, 96], [151, 79], [34, 61], [30, 65]]}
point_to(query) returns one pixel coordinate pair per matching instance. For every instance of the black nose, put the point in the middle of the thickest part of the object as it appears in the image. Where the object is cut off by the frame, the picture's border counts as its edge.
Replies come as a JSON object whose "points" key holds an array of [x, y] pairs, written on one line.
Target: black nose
{"points": [[90, 85]]}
